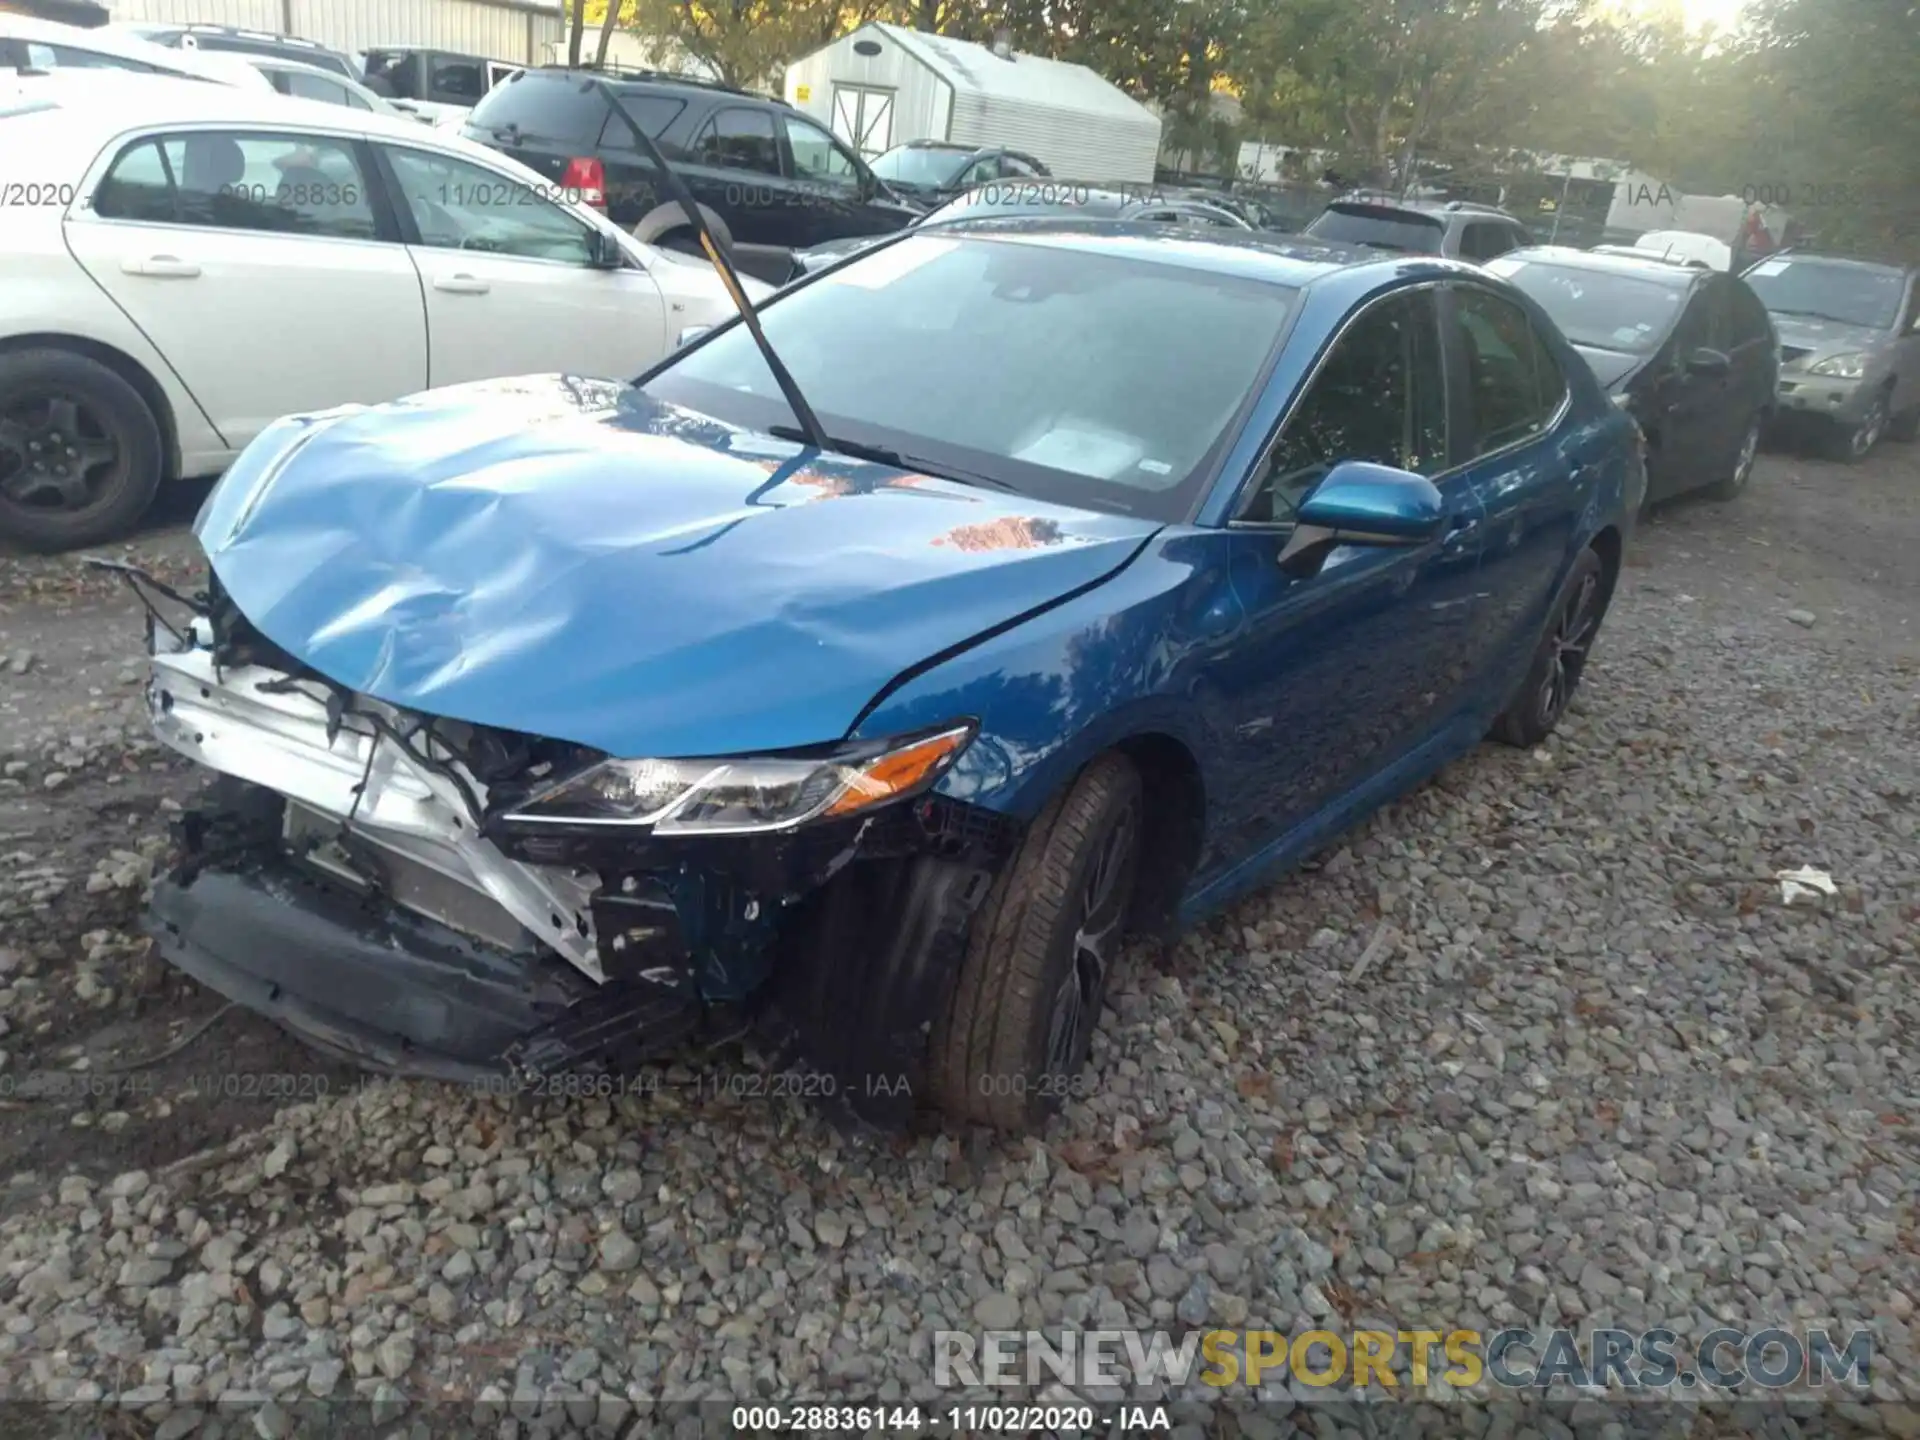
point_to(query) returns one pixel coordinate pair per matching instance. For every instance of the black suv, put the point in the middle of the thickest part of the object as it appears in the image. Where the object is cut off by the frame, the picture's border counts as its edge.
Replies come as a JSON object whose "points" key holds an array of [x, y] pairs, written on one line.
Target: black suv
{"points": [[765, 175]]}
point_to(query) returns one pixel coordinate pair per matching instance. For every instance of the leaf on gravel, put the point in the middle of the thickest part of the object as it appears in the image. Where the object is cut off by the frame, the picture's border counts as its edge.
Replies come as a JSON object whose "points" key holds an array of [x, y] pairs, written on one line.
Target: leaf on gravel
{"points": [[1255, 1084]]}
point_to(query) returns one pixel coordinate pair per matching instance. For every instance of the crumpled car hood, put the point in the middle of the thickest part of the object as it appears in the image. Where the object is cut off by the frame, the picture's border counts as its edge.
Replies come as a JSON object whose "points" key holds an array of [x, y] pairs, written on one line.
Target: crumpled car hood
{"points": [[575, 560]]}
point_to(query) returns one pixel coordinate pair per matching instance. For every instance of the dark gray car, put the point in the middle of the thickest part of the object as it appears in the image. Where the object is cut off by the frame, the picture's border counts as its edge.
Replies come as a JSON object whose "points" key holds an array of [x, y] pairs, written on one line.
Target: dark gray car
{"points": [[1456, 229], [1685, 350], [1849, 345]]}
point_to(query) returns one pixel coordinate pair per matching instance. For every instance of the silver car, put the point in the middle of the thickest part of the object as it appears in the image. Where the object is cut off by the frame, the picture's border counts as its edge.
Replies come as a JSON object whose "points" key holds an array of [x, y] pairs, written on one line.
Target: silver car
{"points": [[1849, 345]]}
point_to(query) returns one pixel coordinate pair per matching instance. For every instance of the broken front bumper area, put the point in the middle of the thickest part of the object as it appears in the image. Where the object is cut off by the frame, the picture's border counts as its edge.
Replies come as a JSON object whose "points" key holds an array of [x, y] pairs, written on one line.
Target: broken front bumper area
{"points": [[373, 981], [347, 876]]}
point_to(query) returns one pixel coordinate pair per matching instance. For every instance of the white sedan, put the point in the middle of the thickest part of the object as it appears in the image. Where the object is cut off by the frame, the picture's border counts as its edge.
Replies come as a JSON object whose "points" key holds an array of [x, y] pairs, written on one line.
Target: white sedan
{"points": [[310, 82], [187, 263], [29, 43]]}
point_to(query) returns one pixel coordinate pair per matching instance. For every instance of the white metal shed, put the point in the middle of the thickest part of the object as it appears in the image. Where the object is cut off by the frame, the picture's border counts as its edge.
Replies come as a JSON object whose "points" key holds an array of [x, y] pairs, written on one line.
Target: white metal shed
{"points": [[881, 86]]}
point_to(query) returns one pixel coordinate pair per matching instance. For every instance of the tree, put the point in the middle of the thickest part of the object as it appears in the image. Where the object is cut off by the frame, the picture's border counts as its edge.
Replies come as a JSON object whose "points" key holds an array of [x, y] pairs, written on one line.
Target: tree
{"points": [[576, 25], [1378, 78], [608, 25], [1838, 110]]}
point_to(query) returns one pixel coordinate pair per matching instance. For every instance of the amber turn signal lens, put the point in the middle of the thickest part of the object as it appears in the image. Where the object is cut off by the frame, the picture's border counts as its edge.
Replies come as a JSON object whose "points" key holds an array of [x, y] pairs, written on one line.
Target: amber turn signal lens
{"points": [[897, 773]]}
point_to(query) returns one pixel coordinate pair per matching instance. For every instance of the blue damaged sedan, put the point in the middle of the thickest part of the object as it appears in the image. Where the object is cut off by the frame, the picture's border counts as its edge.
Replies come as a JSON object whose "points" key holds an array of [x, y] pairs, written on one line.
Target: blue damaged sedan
{"points": [[865, 683]]}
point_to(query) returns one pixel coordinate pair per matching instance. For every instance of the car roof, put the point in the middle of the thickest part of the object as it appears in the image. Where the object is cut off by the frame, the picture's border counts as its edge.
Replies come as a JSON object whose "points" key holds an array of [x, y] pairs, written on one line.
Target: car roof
{"points": [[430, 50], [95, 105], [122, 45], [1433, 209], [1286, 260], [626, 82], [1648, 266], [287, 62]]}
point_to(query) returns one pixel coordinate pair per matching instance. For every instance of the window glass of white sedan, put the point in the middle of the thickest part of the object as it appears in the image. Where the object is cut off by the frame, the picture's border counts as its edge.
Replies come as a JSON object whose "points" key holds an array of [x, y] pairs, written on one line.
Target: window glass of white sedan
{"points": [[285, 184], [460, 206], [56, 57]]}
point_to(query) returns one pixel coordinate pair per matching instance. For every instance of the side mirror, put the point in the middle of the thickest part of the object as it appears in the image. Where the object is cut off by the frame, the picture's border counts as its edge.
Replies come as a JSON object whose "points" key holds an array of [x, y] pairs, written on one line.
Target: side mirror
{"points": [[605, 252], [690, 334], [1709, 362], [1360, 503]]}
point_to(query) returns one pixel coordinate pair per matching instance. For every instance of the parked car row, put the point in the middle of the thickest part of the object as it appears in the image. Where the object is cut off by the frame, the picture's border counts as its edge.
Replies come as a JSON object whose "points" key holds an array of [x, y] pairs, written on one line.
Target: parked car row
{"points": [[1708, 362], [1047, 568], [437, 86]]}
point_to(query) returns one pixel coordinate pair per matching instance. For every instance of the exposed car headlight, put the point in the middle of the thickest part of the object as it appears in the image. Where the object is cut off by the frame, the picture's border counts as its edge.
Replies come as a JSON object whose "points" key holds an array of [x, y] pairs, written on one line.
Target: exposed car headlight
{"points": [[708, 797], [1841, 367]]}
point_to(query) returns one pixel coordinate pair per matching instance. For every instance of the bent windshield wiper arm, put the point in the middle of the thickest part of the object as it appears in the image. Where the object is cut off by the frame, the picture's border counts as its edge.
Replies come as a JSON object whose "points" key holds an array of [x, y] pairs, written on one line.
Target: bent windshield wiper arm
{"points": [[803, 412], [881, 455]]}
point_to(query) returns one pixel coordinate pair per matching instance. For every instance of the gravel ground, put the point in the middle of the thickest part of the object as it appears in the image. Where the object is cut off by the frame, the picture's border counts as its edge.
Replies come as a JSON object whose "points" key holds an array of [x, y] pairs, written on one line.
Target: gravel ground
{"points": [[1539, 1044]]}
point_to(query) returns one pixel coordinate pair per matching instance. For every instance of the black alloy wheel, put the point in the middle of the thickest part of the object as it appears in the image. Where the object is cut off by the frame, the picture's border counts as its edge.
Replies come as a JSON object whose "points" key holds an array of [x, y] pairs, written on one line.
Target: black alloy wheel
{"points": [[1560, 659], [79, 450], [1012, 1042]]}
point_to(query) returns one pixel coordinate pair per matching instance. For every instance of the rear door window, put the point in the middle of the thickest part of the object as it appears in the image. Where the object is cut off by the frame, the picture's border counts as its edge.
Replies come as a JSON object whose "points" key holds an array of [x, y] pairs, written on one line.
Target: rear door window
{"points": [[1514, 384], [237, 45], [652, 113], [1380, 226], [739, 139], [557, 110], [1484, 240], [284, 184], [400, 69], [456, 80], [66, 57], [314, 87]]}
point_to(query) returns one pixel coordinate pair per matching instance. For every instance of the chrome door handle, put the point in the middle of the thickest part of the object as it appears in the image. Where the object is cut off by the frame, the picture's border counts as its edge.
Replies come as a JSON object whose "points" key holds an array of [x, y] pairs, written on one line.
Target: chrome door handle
{"points": [[163, 267]]}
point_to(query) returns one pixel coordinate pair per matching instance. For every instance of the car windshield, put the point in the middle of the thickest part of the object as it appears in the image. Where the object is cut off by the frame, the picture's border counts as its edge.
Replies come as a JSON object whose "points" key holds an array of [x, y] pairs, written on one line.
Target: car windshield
{"points": [[1862, 295], [1379, 227], [1073, 376], [1597, 309], [921, 165]]}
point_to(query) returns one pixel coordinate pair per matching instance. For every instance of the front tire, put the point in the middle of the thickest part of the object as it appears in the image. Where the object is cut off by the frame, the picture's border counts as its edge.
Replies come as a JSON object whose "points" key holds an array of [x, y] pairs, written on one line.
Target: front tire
{"points": [[1729, 486], [1855, 444], [1011, 1044], [1559, 660], [79, 451]]}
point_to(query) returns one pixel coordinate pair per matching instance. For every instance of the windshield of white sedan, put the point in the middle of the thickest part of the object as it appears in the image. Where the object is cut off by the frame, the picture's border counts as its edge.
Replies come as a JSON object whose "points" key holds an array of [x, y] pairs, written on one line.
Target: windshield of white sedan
{"points": [[1072, 376], [1602, 311]]}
